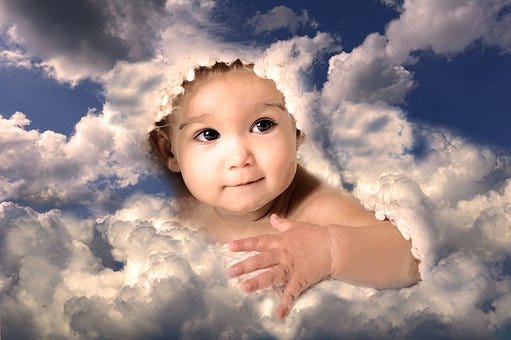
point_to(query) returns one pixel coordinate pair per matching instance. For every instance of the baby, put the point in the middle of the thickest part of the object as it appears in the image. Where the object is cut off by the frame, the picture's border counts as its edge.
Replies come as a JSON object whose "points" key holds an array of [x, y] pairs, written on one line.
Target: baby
{"points": [[234, 143]]}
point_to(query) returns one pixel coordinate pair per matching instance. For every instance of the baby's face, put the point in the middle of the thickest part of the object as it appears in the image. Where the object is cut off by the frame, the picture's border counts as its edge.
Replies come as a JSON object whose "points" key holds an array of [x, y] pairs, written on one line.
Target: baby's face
{"points": [[234, 142]]}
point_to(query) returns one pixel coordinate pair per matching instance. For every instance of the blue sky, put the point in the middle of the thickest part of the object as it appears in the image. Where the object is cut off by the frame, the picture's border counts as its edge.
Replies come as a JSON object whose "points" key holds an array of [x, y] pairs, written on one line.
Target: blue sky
{"points": [[406, 103]]}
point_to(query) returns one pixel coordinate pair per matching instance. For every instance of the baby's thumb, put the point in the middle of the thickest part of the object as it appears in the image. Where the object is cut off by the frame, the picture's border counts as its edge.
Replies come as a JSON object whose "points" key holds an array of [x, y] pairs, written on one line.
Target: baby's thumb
{"points": [[279, 223]]}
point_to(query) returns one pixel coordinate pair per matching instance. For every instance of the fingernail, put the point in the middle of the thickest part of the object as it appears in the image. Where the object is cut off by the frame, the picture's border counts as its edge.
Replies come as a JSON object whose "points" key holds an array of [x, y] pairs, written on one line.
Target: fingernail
{"points": [[246, 286], [233, 246], [233, 271], [282, 313]]}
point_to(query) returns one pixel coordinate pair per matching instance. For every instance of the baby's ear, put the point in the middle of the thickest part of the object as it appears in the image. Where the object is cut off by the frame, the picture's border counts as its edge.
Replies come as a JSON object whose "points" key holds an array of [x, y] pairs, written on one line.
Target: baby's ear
{"points": [[163, 149]]}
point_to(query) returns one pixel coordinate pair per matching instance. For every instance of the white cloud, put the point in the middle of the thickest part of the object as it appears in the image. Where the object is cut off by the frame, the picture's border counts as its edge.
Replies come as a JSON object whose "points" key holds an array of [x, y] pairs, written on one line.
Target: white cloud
{"points": [[366, 74], [375, 133], [446, 27], [286, 62], [49, 167], [14, 58], [280, 17], [174, 284]]}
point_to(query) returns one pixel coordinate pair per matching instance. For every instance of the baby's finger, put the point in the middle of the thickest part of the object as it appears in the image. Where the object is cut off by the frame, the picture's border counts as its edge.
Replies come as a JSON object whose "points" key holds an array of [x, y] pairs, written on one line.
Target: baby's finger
{"points": [[266, 279], [260, 261], [257, 243], [293, 289], [280, 223]]}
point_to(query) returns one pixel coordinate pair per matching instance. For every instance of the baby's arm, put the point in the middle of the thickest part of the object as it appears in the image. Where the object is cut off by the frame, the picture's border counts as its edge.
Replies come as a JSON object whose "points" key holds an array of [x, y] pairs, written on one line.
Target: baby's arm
{"points": [[362, 251]]}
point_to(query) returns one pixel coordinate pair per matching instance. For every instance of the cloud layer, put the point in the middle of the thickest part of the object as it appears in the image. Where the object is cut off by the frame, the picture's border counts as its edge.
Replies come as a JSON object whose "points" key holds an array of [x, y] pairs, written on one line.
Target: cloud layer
{"points": [[139, 272]]}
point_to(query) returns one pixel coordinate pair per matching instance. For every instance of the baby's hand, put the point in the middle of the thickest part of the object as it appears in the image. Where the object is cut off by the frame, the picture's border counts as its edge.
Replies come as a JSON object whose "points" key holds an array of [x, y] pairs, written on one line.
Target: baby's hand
{"points": [[298, 257]]}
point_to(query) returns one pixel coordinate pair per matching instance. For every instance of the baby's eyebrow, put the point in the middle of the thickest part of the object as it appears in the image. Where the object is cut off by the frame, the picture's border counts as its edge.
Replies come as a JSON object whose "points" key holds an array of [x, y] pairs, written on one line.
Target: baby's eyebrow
{"points": [[193, 120], [277, 105]]}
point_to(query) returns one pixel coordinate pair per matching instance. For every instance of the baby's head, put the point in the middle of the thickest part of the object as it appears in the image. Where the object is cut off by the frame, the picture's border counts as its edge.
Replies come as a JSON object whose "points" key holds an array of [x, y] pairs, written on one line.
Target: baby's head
{"points": [[231, 137]]}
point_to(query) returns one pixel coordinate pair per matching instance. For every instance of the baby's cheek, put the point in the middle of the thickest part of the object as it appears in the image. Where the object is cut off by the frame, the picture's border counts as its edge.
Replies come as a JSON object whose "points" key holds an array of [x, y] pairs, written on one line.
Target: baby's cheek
{"points": [[194, 176], [285, 157], [197, 179], [284, 166]]}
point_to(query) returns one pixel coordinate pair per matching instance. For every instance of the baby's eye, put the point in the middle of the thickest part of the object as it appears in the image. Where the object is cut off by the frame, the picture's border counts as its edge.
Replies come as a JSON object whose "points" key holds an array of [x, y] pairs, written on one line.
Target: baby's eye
{"points": [[262, 125], [207, 135]]}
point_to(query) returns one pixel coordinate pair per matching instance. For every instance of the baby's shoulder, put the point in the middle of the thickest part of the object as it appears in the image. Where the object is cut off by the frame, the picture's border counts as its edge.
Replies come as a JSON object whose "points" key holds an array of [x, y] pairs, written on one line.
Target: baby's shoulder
{"points": [[326, 205]]}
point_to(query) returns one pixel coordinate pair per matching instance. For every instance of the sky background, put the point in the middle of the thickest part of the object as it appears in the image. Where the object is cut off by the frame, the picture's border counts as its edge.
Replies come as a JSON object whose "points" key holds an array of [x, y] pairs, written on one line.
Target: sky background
{"points": [[406, 104]]}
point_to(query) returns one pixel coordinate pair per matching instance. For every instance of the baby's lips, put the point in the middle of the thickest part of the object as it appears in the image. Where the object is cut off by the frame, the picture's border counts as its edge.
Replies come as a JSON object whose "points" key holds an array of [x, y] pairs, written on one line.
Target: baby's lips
{"points": [[245, 183]]}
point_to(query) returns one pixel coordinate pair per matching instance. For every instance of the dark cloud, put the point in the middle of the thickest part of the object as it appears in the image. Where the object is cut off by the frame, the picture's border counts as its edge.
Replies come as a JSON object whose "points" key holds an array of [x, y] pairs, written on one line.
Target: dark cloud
{"points": [[96, 32]]}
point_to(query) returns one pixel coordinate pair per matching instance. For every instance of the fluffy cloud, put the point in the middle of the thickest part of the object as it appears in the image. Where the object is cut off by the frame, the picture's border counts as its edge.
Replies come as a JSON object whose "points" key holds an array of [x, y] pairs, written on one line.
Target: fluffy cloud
{"points": [[49, 167], [286, 62], [14, 58], [56, 281], [172, 283], [366, 74], [447, 27], [280, 17]]}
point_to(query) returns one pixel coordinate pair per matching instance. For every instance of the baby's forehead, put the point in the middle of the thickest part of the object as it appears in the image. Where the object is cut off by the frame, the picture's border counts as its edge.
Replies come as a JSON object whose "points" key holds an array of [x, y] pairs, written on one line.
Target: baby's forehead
{"points": [[242, 88], [216, 93], [243, 85]]}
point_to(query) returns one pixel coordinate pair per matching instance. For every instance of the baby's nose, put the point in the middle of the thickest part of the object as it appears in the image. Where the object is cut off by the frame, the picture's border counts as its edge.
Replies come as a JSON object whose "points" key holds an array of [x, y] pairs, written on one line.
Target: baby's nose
{"points": [[240, 155]]}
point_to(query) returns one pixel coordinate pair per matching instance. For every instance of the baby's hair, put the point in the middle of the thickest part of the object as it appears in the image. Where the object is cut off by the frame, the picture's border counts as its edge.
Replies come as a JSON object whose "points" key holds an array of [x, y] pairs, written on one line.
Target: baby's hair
{"points": [[201, 74]]}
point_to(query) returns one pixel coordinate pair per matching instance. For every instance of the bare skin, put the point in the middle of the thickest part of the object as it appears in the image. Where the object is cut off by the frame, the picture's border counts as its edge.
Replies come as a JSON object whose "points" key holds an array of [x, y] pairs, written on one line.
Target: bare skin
{"points": [[256, 200]]}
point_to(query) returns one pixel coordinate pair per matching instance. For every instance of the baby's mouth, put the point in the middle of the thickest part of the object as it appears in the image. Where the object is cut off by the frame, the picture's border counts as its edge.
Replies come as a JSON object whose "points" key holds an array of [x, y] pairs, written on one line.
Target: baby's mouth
{"points": [[248, 183]]}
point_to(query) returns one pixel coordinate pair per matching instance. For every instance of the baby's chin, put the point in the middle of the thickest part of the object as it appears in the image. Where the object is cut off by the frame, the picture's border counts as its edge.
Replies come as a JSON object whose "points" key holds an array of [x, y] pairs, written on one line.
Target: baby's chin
{"points": [[242, 209], [248, 211]]}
